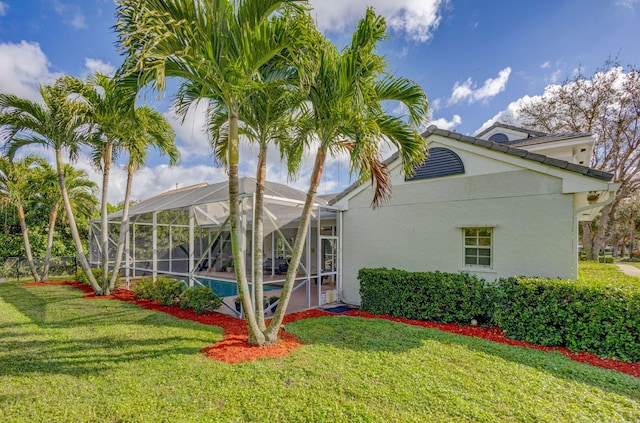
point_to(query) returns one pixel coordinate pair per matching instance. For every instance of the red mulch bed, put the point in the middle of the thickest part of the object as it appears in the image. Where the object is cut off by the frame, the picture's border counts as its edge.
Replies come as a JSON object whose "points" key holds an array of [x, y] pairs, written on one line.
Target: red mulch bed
{"points": [[234, 348]]}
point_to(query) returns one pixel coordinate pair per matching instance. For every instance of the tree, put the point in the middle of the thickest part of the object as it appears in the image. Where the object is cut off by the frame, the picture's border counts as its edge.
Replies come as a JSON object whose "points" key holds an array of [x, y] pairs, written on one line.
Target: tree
{"points": [[265, 119], [150, 129], [346, 92], [57, 124], [219, 45], [16, 186], [110, 110], [606, 105], [81, 195], [627, 221]]}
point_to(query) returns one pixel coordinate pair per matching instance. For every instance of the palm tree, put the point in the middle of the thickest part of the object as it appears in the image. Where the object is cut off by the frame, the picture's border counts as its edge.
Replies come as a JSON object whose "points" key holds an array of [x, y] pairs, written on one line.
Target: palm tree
{"points": [[110, 110], [81, 195], [220, 45], [151, 129], [345, 114], [57, 124], [266, 117], [16, 186]]}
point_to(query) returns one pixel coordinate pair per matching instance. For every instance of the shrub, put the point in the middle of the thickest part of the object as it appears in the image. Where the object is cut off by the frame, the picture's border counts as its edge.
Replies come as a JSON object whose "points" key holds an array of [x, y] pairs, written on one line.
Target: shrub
{"points": [[580, 315], [435, 296], [164, 290], [200, 299], [97, 273], [605, 259]]}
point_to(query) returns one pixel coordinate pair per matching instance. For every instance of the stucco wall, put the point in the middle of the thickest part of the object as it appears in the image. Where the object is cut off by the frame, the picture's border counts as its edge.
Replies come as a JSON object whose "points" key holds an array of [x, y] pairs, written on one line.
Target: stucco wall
{"points": [[421, 228]]}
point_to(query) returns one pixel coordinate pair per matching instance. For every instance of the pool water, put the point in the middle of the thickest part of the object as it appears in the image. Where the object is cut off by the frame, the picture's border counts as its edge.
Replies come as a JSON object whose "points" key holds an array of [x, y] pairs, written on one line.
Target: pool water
{"points": [[227, 288]]}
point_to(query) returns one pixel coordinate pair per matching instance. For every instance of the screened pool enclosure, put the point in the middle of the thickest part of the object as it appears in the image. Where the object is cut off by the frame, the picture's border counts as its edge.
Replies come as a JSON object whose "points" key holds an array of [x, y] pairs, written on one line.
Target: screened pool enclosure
{"points": [[184, 233]]}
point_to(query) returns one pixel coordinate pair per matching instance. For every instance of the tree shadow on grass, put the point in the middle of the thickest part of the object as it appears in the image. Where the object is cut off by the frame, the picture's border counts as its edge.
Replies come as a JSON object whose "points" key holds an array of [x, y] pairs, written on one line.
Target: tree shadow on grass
{"points": [[57, 331], [378, 335]]}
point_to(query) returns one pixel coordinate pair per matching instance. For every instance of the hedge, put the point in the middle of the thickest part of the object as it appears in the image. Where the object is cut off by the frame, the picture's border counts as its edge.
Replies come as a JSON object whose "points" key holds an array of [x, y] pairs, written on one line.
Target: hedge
{"points": [[603, 320], [165, 290], [434, 296], [592, 316]]}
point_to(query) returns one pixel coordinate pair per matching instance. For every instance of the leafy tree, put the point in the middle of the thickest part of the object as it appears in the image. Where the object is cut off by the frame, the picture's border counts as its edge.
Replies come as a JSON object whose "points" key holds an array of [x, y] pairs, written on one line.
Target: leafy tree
{"points": [[81, 195], [16, 185], [346, 92], [627, 222], [220, 45], [606, 105], [58, 124]]}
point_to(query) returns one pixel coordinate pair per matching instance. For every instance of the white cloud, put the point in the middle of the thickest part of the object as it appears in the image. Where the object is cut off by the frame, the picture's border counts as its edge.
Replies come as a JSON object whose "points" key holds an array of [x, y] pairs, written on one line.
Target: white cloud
{"points": [[23, 67], [466, 90], [97, 65], [71, 14], [443, 123], [416, 19], [3, 8], [510, 115], [545, 65]]}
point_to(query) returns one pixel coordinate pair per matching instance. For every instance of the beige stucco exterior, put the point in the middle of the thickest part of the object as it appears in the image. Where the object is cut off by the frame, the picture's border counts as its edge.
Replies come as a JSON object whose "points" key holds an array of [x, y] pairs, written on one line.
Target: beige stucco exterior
{"points": [[530, 206]]}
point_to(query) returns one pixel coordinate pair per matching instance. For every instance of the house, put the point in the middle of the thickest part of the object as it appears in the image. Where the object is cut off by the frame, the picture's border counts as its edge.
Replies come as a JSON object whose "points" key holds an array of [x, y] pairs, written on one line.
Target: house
{"points": [[504, 203]]}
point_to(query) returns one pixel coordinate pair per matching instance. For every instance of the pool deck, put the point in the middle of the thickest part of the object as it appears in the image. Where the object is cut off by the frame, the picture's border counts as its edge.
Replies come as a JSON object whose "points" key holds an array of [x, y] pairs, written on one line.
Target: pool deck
{"points": [[297, 302]]}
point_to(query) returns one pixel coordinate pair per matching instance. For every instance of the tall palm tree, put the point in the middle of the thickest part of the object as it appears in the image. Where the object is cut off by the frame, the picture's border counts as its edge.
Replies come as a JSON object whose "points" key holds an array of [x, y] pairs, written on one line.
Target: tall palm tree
{"points": [[16, 186], [346, 113], [56, 124], [265, 119], [110, 109], [150, 129], [220, 45], [81, 195]]}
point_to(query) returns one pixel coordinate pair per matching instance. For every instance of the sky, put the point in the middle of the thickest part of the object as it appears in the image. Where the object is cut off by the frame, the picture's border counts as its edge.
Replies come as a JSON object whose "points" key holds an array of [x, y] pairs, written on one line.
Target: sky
{"points": [[474, 59]]}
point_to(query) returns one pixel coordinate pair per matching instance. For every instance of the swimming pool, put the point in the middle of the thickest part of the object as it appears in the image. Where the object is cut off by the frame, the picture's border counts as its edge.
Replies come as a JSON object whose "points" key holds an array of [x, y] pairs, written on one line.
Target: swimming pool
{"points": [[228, 288]]}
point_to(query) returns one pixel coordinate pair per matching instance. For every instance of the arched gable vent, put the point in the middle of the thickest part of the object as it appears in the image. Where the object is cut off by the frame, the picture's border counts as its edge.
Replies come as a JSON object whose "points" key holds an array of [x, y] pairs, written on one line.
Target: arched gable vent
{"points": [[441, 162]]}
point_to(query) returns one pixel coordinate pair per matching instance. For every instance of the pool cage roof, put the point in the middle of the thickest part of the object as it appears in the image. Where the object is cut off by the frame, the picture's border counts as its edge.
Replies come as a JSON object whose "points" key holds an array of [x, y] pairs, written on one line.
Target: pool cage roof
{"points": [[203, 194]]}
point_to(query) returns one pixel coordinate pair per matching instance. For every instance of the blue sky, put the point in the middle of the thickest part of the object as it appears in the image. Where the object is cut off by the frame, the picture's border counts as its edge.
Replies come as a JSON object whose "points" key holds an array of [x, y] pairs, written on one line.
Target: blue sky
{"points": [[474, 59]]}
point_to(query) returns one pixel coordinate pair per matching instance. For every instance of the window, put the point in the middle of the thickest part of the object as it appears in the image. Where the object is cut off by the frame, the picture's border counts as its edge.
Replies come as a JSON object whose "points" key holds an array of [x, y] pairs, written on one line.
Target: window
{"points": [[477, 247]]}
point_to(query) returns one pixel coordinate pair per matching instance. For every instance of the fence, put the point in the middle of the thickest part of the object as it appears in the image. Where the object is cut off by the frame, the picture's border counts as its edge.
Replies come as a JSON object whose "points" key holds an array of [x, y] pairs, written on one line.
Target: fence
{"points": [[18, 267]]}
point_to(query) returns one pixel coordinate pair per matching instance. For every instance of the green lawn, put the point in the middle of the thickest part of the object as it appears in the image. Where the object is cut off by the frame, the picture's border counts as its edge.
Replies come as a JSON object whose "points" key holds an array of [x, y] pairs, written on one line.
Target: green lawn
{"points": [[63, 358]]}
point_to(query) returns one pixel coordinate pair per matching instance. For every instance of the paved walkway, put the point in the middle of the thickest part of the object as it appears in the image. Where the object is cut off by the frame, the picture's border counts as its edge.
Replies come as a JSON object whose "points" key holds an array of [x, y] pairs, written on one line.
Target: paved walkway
{"points": [[628, 269]]}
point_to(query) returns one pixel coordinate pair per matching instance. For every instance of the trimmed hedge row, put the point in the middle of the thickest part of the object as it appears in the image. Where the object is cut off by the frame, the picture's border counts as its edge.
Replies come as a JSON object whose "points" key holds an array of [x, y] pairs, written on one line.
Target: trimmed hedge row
{"points": [[435, 296], [597, 318], [603, 320]]}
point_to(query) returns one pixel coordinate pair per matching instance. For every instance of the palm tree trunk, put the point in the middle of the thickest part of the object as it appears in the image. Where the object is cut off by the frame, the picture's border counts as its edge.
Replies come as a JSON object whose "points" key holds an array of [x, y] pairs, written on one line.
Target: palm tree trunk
{"points": [[52, 225], [258, 237], [84, 263], [27, 244], [124, 229], [104, 235], [272, 331], [256, 337]]}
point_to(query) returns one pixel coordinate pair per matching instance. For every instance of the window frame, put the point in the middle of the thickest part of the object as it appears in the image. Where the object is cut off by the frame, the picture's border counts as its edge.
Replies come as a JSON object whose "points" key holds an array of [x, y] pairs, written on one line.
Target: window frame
{"points": [[477, 245]]}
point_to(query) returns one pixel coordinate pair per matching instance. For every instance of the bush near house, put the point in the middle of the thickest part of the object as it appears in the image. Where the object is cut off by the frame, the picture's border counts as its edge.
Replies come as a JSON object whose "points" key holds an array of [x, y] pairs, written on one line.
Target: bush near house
{"points": [[597, 314], [165, 290], [582, 316], [435, 296], [200, 299]]}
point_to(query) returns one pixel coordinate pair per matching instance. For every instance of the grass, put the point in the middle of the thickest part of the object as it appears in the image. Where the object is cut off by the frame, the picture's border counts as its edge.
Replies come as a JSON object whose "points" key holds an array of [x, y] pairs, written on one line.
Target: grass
{"points": [[67, 359], [594, 273]]}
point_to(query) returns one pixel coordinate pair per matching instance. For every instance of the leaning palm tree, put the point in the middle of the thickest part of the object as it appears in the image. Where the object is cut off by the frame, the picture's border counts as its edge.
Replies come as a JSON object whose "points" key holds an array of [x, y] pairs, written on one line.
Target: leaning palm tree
{"points": [[16, 187], [345, 114], [150, 129], [56, 124], [220, 45], [81, 195]]}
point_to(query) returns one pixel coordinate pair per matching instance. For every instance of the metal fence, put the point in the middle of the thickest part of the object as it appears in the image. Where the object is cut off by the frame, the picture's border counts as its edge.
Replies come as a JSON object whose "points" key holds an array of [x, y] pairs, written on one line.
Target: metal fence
{"points": [[18, 267]]}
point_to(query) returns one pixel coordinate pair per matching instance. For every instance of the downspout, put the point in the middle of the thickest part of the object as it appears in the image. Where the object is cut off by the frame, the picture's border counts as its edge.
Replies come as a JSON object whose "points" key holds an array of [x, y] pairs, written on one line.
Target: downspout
{"points": [[576, 213]]}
